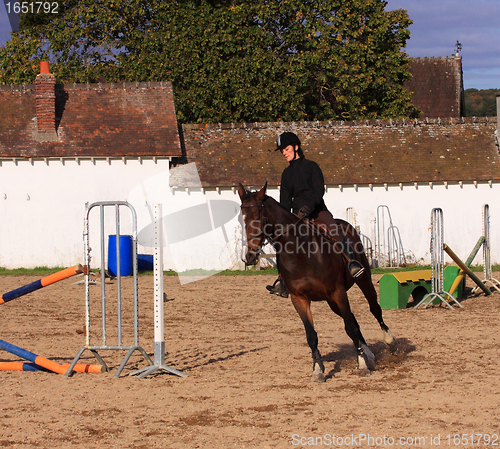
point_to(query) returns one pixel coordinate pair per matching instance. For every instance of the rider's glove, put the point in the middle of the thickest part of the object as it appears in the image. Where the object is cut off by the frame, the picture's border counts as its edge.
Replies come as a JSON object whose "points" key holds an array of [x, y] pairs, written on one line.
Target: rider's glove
{"points": [[304, 212]]}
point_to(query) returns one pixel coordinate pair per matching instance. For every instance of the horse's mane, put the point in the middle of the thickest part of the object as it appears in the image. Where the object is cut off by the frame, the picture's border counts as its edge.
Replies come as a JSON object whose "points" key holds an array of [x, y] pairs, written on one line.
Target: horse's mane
{"points": [[286, 212]]}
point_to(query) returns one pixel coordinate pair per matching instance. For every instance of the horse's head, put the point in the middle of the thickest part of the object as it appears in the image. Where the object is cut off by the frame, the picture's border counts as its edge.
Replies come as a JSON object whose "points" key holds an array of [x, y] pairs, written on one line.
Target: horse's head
{"points": [[252, 208]]}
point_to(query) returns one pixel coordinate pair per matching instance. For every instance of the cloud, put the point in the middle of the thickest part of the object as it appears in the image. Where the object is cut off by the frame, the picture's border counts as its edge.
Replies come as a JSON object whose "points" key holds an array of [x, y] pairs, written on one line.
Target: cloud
{"points": [[437, 25]]}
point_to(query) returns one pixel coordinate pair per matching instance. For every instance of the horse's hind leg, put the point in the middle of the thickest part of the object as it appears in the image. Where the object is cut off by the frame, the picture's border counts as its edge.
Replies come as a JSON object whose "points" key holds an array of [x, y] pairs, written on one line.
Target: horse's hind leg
{"points": [[365, 283], [303, 308], [366, 359], [368, 289]]}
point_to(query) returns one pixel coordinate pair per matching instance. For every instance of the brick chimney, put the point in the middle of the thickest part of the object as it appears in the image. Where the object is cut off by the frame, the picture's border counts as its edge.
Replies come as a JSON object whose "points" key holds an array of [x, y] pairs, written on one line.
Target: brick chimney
{"points": [[45, 84]]}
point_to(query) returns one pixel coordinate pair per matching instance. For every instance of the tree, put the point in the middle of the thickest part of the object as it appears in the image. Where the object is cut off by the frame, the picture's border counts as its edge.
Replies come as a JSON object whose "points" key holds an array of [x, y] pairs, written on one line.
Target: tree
{"points": [[347, 56], [221, 65], [229, 60], [480, 103], [81, 41]]}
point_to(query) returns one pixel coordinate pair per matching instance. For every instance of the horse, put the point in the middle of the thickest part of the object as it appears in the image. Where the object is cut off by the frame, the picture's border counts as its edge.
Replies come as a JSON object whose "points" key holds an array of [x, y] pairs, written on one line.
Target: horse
{"points": [[312, 270]]}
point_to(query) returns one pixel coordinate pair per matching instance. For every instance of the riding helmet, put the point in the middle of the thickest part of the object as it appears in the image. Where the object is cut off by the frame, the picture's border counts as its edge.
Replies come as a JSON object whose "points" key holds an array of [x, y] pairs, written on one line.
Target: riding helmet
{"points": [[285, 139]]}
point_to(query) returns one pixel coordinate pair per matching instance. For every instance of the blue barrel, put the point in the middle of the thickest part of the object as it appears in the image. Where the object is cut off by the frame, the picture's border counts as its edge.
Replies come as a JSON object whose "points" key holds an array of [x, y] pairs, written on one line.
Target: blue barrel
{"points": [[145, 262], [126, 255]]}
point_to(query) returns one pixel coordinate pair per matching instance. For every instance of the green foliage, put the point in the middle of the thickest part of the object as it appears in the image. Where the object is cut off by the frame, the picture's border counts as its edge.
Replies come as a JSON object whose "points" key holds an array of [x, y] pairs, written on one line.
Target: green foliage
{"points": [[229, 60], [480, 103], [38, 271]]}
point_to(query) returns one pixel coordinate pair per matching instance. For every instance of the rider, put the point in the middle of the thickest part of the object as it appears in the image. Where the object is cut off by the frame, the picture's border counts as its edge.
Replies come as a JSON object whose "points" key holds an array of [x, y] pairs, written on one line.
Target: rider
{"points": [[302, 190]]}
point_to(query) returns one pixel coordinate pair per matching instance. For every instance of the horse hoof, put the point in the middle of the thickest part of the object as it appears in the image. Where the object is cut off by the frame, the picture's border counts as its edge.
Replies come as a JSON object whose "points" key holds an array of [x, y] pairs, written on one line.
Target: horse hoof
{"points": [[318, 373], [364, 372], [367, 360], [388, 339], [318, 377]]}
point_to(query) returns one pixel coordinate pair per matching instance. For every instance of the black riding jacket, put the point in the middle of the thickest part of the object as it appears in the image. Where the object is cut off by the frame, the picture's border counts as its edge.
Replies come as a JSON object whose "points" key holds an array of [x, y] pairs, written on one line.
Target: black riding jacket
{"points": [[302, 184]]}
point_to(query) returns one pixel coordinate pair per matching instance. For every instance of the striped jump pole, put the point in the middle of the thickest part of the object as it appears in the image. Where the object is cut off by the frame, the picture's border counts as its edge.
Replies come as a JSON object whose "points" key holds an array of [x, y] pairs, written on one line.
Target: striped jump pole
{"points": [[40, 361], [159, 334], [30, 366], [43, 282]]}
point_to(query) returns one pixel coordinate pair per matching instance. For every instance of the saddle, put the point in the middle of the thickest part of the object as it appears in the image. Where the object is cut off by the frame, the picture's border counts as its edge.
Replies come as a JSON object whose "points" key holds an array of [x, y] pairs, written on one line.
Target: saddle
{"points": [[355, 268]]}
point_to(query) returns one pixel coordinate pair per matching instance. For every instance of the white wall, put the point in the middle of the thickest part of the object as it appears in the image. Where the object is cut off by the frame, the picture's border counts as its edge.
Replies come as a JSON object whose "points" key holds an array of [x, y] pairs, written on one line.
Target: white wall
{"points": [[410, 209], [42, 211], [42, 205]]}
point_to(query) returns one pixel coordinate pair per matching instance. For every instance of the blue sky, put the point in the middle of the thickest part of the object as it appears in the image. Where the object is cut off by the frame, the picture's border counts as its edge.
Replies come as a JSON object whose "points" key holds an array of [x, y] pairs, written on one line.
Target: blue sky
{"points": [[437, 25]]}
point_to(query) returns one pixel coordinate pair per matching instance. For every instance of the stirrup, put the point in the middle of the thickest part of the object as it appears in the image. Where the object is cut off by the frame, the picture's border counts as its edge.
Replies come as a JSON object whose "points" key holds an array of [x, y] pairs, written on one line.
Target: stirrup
{"points": [[356, 269], [273, 287]]}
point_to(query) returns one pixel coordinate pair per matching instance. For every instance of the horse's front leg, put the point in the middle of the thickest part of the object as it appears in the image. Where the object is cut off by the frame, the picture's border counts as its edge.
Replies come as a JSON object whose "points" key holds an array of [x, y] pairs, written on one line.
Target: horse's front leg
{"points": [[340, 305], [303, 308], [366, 360]]}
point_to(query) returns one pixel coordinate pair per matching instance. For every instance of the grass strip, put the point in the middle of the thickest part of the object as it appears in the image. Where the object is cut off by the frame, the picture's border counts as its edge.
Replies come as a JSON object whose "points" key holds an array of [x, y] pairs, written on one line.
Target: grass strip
{"points": [[251, 271]]}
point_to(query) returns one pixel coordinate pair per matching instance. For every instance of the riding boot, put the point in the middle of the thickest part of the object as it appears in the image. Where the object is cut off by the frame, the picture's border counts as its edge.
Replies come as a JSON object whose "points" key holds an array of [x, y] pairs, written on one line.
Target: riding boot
{"points": [[355, 267], [271, 288], [284, 290], [278, 288]]}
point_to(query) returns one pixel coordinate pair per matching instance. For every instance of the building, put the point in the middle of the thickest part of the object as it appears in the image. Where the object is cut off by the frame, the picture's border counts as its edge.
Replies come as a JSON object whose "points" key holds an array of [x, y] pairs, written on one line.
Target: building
{"points": [[64, 146], [437, 86]]}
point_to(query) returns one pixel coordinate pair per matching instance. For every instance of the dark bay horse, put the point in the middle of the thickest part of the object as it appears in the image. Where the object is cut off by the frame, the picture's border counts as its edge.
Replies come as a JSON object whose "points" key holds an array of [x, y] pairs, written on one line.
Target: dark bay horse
{"points": [[311, 269]]}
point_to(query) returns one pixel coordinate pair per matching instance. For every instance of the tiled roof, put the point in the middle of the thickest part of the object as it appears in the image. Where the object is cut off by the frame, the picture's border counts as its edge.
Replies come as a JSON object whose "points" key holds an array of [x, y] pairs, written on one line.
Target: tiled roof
{"points": [[437, 86], [348, 153], [93, 120]]}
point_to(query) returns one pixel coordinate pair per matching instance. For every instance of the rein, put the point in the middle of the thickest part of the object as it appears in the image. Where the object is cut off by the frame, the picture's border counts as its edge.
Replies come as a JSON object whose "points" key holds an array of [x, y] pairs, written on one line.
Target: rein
{"points": [[265, 219], [317, 227]]}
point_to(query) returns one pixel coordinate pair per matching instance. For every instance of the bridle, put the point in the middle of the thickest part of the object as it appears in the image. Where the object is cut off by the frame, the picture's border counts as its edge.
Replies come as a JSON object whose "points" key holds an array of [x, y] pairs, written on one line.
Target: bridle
{"points": [[263, 220]]}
